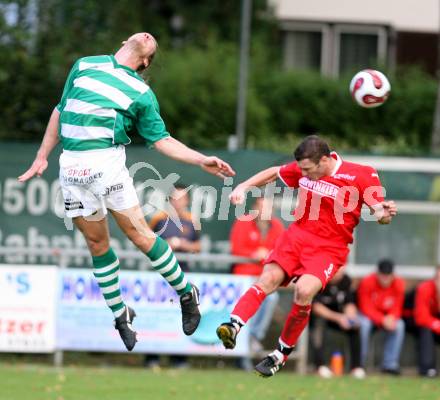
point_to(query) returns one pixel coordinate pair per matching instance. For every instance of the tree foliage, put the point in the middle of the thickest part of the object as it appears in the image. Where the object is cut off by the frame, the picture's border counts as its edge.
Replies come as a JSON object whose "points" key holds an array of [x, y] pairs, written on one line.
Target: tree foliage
{"points": [[195, 76]]}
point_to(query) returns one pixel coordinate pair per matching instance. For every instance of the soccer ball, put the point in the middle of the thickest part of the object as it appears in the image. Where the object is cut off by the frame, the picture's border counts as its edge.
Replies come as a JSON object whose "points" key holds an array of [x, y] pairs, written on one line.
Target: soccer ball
{"points": [[370, 88]]}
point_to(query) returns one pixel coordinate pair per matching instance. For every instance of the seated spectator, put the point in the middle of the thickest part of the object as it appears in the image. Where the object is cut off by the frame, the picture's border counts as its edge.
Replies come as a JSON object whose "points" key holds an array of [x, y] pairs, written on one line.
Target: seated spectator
{"points": [[427, 319], [177, 228], [380, 300], [335, 309], [254, 237]]}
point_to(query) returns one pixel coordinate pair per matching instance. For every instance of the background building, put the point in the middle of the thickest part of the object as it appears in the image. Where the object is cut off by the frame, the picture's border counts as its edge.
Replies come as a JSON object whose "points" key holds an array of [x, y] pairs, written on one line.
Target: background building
{"points": [[336, 37]]}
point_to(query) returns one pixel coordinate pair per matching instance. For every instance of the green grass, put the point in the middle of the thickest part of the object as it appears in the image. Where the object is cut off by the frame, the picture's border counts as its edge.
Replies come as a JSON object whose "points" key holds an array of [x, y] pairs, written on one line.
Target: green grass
{"points": [[25, 382]]}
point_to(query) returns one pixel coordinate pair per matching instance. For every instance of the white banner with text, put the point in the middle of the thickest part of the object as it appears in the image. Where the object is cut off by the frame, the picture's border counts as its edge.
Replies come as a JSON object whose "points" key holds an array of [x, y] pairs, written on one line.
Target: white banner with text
{"points": [[27, 308]]}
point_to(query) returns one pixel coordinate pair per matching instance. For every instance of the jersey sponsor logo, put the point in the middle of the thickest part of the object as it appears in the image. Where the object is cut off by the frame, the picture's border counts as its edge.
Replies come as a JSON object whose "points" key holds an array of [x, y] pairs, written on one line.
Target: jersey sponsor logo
{"points": [[78, 171], [114, 188], [83, 180], [345, 176], [319, 187], [70, 205], [328, 272], [374, 175]]}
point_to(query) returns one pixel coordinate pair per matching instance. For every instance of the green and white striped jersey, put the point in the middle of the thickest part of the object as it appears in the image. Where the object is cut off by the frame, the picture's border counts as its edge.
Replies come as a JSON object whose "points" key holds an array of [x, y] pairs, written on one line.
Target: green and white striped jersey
{"points": [[103, 102]]}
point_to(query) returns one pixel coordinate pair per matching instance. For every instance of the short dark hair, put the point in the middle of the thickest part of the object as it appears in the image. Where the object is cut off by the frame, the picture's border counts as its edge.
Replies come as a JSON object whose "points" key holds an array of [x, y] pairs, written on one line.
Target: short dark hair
{"points": [[180, 186], [385, 266], [313, 148]]}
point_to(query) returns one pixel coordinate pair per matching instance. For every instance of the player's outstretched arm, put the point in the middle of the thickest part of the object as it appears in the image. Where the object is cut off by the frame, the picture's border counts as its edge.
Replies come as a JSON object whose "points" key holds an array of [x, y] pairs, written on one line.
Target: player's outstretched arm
{"points": [[178, 151], [264, 177], [50, 140]]}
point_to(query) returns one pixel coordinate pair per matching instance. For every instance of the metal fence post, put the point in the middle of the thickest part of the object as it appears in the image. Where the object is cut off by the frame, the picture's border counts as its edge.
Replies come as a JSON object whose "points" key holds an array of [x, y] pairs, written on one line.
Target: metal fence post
{"points": [[58, 356]]}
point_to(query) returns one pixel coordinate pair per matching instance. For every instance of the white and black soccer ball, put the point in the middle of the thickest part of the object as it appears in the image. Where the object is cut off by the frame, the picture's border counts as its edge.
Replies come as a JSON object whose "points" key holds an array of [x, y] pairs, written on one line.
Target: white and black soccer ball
{"points": [[370, 88]]}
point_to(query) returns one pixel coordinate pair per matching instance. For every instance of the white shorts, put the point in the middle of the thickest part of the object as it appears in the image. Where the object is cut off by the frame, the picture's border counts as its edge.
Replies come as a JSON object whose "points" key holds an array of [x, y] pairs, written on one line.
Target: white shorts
{"points": [[94, 181]]}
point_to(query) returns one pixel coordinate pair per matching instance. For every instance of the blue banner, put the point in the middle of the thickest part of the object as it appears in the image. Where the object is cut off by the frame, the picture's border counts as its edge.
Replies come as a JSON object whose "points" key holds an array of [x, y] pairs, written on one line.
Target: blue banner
{"points": [[85, 323]]}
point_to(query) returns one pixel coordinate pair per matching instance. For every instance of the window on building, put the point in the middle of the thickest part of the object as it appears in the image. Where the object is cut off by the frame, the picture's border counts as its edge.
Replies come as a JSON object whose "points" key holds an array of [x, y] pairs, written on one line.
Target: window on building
{"points": [[303, 50], [333, 49], [357, 51]]}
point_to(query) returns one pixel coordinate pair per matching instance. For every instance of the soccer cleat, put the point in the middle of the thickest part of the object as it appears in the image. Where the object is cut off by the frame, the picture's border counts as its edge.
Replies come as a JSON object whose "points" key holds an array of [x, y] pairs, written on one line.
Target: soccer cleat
{"points": [[126, 331], [227, 333], [271, 364], [189, 303]]}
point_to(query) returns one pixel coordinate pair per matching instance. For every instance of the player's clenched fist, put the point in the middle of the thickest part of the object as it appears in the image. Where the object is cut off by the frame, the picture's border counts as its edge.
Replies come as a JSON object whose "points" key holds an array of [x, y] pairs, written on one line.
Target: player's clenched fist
{"points": [[238, 195], [391, 207], [386, 211]]}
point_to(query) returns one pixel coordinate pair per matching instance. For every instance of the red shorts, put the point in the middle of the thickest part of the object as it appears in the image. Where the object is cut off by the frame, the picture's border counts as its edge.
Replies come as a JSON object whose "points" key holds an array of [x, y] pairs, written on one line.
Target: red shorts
{"points": [[299, 252]]}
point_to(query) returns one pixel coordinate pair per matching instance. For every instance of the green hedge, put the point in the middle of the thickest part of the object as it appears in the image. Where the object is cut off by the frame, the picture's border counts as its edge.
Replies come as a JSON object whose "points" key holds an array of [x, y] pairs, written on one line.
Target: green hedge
{"points": [[305, 103], [197, 90]]}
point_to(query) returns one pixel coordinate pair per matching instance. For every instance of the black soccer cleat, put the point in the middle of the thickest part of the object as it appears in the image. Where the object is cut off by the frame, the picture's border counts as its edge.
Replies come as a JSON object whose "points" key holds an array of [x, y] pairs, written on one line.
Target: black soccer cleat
{"points": [[189, 302], [126, 331], [227, 333], [270, 365]]}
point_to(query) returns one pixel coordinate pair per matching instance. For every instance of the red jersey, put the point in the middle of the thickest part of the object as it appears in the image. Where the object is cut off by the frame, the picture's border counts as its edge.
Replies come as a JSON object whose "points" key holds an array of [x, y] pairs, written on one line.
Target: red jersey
{"points": [[331, 206], [427, 307], [246, 238], [376, 301]]}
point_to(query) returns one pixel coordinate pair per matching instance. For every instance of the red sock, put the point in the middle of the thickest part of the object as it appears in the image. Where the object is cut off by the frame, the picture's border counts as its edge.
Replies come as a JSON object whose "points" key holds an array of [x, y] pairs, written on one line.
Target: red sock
{"points": [[295, 324], [248, 304]]}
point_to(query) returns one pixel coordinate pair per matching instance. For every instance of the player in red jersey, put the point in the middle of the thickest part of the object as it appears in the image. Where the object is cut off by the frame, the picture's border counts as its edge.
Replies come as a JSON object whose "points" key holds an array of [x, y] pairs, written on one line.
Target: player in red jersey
{"points": [[330, 198], [427, 318]]}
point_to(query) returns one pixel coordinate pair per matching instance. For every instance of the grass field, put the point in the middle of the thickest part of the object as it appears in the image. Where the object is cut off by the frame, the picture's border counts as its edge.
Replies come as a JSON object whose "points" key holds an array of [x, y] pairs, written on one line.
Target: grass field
{"points": [[25, 382]]}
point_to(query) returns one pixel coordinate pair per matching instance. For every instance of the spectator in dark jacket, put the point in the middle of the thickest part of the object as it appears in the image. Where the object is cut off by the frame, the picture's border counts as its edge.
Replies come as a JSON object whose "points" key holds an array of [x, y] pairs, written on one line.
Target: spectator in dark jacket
{"points": [[335, 309]]}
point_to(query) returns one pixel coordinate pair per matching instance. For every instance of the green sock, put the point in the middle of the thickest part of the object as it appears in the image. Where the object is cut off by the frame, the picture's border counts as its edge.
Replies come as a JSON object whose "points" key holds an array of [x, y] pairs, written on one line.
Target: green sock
{"points": [[106, 271], [163, 261]]}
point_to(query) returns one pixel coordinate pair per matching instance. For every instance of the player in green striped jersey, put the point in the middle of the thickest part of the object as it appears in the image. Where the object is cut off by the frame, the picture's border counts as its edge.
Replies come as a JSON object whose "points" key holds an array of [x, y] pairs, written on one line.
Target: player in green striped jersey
{"points": [[104, 101]]}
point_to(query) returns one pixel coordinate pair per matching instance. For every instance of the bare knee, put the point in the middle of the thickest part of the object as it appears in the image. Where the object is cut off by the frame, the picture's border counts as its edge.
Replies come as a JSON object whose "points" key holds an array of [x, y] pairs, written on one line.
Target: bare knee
{"points": [[306, 288], [97, 245], [142, 241], [95, 233], [270, 279], [304, 294]]}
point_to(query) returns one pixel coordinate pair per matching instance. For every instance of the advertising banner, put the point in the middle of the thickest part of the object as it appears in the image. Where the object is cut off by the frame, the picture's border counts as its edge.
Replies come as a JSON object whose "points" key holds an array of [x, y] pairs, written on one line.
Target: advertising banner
{"points": [[32, 213], [27, 308], [85, 323]]}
